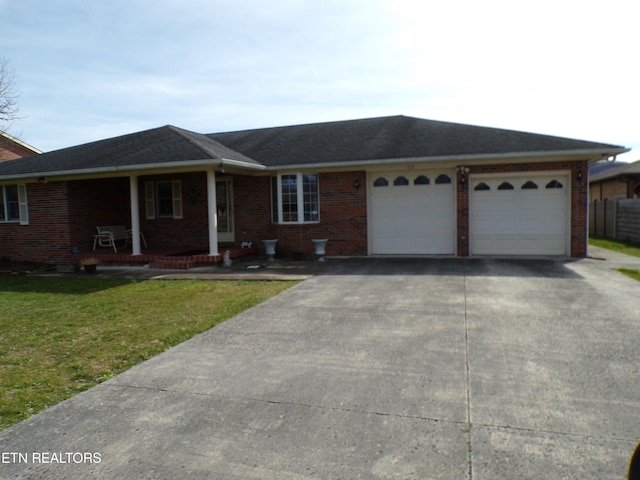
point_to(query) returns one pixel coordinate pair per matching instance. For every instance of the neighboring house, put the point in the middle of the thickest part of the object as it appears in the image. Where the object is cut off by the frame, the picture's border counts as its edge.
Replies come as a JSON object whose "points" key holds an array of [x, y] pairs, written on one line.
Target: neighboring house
{"points": [[619, 181], [382, 186], [12, 148], [614, 208]]}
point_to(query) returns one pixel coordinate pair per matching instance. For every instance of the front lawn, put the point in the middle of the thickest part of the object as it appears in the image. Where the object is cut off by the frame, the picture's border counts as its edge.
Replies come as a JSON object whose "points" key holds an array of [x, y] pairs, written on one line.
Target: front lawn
{"points": [[60, 336]]}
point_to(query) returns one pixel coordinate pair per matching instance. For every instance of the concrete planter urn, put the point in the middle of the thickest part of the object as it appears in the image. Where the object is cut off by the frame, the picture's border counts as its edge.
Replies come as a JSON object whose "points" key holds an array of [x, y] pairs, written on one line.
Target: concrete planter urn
{"points": [[90, 264], [270, 248], [319, 245], [90, 268]]}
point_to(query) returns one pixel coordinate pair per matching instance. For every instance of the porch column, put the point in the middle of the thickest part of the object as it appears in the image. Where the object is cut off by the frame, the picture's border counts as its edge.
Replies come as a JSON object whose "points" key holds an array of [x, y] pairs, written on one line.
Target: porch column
{"points": [[213, 212], [135, 216]]}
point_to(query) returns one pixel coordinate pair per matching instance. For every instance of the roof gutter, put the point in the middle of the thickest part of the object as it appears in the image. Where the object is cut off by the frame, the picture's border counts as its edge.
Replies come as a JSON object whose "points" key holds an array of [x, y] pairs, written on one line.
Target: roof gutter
{"points": [[594, 155], [128, 169]]}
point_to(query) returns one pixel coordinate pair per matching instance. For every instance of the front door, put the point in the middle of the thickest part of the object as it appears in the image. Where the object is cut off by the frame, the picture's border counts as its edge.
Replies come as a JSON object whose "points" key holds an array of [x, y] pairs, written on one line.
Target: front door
{"points": [[224, 200]]}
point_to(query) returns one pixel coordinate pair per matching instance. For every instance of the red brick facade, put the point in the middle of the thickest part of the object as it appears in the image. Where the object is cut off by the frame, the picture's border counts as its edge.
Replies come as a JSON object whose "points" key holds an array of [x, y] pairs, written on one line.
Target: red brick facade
{"points": [[343, 215], [63, 215], [47, 235]]}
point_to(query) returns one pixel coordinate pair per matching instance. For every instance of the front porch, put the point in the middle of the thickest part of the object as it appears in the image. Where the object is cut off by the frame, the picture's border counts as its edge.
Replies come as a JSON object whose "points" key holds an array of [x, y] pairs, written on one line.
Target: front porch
{"points": [[180, 260]]}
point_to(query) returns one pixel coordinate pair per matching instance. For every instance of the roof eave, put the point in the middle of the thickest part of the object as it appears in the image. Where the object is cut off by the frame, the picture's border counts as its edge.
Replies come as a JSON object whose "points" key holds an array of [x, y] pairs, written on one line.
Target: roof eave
{"points": [[21, 143], [559, 155], [590, 155], [129, 169], [617, 176]]}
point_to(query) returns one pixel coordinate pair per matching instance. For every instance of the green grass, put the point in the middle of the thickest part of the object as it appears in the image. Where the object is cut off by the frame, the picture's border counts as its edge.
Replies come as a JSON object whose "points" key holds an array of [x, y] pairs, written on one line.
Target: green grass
{"points": [[619, 246], [629, 272], [60, 336]]}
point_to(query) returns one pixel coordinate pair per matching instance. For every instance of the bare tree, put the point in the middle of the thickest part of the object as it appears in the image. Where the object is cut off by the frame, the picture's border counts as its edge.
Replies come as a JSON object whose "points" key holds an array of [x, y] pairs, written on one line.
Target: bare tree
{"points": [[8, 95]]}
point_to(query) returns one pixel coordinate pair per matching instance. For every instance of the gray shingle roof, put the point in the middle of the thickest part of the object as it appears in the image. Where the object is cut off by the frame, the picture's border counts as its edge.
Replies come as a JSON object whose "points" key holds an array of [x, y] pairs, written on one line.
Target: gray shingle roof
{"points": [[385, 138], [390, 138], [622, 170], [166, 144]]}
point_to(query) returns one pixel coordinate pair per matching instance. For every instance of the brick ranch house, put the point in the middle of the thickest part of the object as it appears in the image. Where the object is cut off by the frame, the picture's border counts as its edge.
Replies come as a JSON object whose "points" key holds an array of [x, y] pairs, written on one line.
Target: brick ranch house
{"points": [[382, 186], [619, 181]]}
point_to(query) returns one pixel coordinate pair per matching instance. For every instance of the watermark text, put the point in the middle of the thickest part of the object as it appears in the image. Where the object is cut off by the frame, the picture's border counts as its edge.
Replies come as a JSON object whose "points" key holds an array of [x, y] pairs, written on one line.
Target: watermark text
{"points": [[50, 457]]}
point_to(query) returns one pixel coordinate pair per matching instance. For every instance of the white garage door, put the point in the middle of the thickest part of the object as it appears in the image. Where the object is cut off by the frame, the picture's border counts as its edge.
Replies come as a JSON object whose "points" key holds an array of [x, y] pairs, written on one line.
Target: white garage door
{"points": [[412, 213], [519, 215]]}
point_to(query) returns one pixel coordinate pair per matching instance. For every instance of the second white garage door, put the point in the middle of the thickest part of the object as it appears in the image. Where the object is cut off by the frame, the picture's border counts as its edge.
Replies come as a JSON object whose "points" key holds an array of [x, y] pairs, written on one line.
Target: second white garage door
{"points": [[519, 215], [412, 213]]}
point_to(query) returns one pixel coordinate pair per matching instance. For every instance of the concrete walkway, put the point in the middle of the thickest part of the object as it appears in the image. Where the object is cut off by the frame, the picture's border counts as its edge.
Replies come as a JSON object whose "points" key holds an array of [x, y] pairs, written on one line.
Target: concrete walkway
{"points": [[375, 369]]}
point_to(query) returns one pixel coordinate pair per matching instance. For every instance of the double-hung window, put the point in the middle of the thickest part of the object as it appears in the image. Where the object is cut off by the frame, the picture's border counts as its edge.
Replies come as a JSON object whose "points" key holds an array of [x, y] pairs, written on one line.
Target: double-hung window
{"points": [[295, 198], [13, 204], [163, 199]]}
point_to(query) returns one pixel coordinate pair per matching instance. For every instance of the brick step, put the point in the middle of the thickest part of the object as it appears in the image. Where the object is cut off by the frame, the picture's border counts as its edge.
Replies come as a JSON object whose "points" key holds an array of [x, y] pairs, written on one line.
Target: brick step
{"points": [[173, 264]]}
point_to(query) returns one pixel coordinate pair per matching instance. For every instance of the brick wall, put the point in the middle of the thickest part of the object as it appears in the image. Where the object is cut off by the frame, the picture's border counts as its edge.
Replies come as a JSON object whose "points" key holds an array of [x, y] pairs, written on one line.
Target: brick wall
{"points": [[343, 216], [46, 238], [579, 210], [191, 232], [63, 215], [252, 202], [462, 212], [96, 202]]}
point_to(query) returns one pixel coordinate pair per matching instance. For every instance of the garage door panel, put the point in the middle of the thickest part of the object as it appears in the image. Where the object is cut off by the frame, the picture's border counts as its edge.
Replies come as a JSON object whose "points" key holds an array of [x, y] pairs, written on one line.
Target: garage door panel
{"points": [[518, 244], [412, 219], [519, 221]]}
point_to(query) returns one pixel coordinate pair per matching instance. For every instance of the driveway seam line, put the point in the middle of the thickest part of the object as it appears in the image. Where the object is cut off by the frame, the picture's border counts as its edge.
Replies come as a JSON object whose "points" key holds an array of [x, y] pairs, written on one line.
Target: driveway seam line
{"points": [[555, 432], [467, 374]]}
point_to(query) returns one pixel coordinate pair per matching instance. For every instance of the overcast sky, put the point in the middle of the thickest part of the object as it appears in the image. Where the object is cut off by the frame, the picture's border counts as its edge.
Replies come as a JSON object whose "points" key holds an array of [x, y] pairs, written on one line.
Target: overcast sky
{"points": [[93, 69]]}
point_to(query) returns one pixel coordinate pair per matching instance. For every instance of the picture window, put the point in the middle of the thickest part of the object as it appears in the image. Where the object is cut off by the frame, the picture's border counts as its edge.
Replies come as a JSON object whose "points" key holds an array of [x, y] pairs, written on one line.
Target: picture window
{"points": [[295, 198]]}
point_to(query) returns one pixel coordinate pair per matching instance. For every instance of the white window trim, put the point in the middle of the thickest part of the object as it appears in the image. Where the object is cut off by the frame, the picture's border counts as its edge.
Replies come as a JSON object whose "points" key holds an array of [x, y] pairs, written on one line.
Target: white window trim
{"points": [[299, 198], [23, 204], [176, 193]]}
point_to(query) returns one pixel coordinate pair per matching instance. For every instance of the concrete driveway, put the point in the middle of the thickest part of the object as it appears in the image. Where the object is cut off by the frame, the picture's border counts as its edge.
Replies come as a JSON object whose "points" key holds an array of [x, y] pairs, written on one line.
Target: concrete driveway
{"points": [[375, 369]]}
